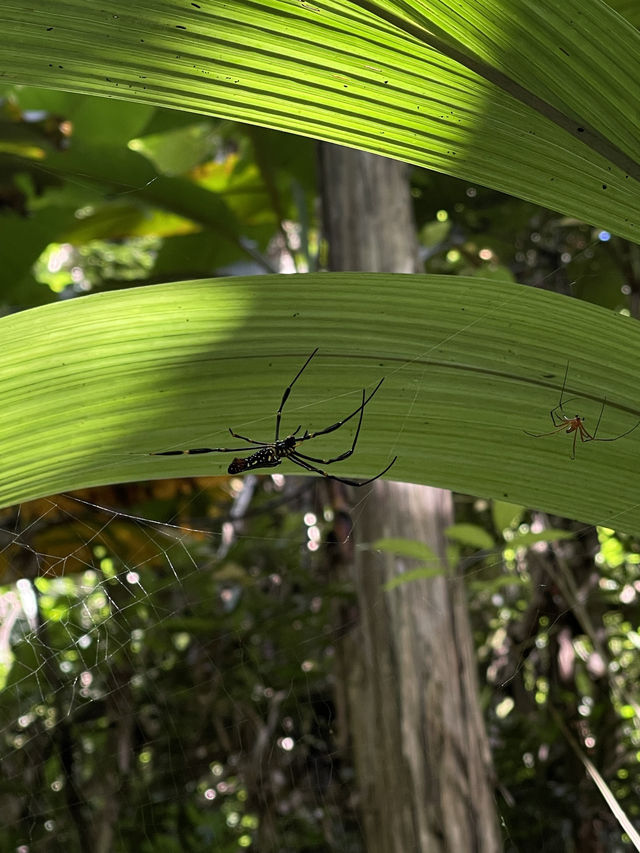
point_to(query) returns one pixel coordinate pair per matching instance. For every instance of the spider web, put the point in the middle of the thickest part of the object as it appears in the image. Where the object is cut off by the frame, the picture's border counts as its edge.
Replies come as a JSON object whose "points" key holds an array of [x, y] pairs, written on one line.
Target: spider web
{"points": [[96, 645], [169, 670]]}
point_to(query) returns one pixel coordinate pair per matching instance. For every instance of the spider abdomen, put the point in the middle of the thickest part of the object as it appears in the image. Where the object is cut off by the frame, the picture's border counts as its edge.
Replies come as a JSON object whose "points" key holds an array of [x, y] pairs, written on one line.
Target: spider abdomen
{"points": [[266, 457]]}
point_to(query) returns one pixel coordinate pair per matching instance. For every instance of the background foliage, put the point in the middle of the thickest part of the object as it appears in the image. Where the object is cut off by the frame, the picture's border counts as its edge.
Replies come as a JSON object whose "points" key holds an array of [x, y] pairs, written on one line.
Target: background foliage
{"points": [[149, 669]]}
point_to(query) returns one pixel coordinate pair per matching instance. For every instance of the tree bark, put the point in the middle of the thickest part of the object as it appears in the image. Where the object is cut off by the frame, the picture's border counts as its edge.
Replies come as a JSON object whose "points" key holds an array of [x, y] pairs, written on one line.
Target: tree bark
{"points": [[407, 671]]}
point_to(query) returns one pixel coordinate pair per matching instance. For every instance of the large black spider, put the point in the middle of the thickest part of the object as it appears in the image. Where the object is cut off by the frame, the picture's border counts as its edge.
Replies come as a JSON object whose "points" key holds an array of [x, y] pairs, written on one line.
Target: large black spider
{"points": [[271, 453]]}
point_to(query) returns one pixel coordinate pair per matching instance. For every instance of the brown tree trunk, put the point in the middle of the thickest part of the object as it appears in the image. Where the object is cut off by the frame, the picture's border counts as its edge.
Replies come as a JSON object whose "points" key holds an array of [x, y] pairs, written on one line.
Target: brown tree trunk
{"points": [[407, 670]]}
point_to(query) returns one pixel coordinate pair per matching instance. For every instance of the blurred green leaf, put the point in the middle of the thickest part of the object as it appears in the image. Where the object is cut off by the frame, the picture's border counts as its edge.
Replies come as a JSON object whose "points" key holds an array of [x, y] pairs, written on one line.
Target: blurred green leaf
{"points": [[505, 515], [175, 151], [413, 575], [470, 534], [524, 540], [405, 548]]}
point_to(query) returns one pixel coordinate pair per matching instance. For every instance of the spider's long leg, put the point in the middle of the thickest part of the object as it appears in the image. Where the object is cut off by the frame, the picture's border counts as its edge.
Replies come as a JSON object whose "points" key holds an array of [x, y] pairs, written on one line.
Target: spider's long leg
{"points": [[595, 432], [195, 450], [353, 444], [543, 434], [622, 434], [298, 461], [555, 417], [585, 435], [250, 440], [564, 385], [287, 391], [347, 453], [342, 456], [594, 437], [255, 441], [562, 401], [338, 424]]}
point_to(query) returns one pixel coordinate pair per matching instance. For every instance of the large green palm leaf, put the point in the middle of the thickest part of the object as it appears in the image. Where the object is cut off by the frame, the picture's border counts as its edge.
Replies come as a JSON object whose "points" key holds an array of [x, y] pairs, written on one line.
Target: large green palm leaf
{"points": [[92, 387], [529, 98]]}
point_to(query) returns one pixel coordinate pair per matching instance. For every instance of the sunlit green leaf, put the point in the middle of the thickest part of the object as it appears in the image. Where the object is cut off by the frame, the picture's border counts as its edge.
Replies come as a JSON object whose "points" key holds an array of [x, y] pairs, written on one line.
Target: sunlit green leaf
{"points": [[468, 365], [516, 96]]}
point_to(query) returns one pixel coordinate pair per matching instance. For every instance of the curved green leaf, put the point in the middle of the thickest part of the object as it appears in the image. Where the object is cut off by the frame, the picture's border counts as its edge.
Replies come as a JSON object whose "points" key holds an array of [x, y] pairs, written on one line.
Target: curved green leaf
{"points": [[92, 386], [527, 97]]}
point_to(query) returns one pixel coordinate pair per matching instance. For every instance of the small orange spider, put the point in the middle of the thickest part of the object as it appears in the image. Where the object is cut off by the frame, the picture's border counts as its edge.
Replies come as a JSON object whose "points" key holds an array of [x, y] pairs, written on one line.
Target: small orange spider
{"points": [[562, 422]]}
